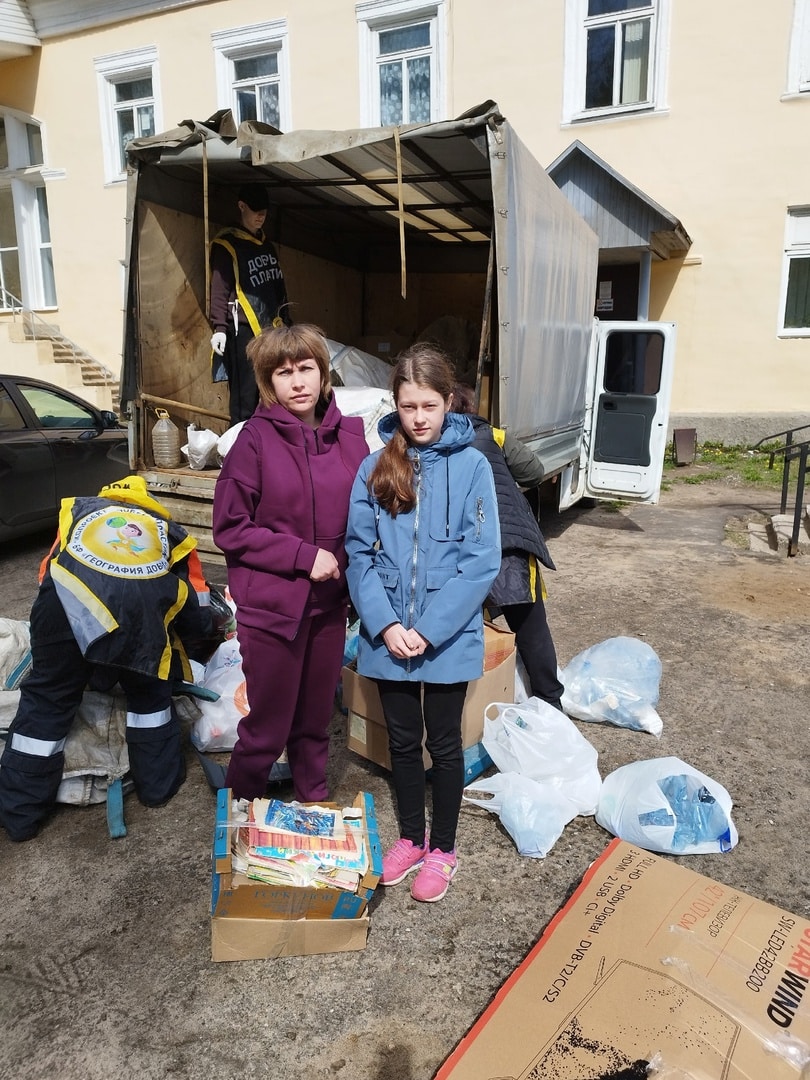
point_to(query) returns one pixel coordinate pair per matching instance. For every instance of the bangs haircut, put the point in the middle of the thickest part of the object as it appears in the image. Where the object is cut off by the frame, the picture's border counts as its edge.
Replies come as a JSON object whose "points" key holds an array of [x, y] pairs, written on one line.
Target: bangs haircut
{"points": [[279, 345]]}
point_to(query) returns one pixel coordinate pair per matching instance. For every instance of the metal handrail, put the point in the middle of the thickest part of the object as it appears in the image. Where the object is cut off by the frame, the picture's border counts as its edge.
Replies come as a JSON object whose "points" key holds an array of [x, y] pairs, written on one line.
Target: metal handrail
{"points": [[30, 319], [790, 451]]}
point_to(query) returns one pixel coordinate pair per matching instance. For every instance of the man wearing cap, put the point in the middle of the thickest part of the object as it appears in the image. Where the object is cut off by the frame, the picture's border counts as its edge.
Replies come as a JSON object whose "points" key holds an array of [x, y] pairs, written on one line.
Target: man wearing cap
{"points": [[121, 591], [247, 294]]}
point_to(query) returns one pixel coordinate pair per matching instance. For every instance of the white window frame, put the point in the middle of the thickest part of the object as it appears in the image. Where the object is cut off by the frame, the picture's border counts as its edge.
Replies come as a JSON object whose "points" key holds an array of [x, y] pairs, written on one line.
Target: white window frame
{"points": [[24, 179], [241, 42], [797, 246], [374, 16], [799, 55], [577, 23], [110, 70]]}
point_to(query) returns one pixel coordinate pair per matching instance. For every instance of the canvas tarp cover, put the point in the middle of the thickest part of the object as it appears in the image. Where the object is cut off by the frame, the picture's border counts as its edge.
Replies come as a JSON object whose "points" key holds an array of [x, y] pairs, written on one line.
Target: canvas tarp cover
{"points": [[455, 179]]}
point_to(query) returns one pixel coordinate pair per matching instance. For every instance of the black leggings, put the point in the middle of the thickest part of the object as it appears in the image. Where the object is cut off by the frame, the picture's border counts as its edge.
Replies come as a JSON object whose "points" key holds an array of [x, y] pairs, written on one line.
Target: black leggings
{"points": [[534, 643], [408, 719]]}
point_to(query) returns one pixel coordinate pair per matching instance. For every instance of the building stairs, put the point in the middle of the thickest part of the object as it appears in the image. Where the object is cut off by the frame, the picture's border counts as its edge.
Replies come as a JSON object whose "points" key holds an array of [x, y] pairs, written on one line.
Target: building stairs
{"points": [[30, 346]]}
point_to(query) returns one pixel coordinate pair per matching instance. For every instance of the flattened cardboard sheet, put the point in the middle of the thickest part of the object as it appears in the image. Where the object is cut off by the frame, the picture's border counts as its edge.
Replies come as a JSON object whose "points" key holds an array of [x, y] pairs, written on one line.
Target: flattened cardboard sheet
{"points": [[650, 961]]}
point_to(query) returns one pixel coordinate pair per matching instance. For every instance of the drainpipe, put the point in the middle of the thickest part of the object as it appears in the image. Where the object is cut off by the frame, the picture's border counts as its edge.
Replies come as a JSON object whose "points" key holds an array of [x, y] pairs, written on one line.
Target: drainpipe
{"points": [[643, 312]]}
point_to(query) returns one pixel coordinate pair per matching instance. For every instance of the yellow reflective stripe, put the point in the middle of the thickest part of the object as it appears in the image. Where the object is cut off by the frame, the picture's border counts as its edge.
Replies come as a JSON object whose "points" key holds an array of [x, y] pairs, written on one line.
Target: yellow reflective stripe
{"points": [[65, 521], [88, 600], [499, 435], [179, 551], [255, 326], [164, 667], [535, 574]]}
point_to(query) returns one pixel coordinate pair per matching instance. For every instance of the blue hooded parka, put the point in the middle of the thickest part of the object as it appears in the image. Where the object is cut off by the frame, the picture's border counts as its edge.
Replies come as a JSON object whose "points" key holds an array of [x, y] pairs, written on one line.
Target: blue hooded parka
{"points": [[431, 568]]}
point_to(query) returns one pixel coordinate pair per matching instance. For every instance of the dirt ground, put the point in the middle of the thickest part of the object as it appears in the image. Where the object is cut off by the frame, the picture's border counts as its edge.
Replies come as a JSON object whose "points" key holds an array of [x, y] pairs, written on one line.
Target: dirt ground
{"points": [[105, 968]]}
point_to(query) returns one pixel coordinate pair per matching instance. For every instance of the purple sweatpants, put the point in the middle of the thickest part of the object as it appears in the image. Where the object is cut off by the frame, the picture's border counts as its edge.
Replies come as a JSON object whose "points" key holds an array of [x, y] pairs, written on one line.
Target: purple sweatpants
{"points": [[291, 693]]}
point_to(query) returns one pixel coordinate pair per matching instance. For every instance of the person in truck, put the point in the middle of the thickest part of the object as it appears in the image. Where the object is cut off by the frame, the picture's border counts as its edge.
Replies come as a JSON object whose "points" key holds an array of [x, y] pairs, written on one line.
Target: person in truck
{"points": [[248, 293]]}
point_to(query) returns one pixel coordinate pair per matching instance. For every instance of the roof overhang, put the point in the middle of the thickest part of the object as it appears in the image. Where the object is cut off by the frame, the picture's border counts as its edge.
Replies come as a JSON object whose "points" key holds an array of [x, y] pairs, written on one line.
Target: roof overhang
{"points": [[627, 221]]}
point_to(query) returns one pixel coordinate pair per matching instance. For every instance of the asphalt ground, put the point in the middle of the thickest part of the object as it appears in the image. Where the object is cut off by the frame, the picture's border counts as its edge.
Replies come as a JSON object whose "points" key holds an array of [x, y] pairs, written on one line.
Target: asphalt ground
{"points": [[105, 967]]}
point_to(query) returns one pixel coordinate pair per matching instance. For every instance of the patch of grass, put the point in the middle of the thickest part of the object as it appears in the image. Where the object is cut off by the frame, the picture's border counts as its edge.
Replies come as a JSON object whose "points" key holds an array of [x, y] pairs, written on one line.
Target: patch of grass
{"points": [[715, 461]]}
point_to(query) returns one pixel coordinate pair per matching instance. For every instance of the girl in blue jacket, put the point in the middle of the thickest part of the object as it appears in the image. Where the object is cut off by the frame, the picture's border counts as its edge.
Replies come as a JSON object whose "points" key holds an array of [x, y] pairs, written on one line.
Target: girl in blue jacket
{"points": [[424, 547]]}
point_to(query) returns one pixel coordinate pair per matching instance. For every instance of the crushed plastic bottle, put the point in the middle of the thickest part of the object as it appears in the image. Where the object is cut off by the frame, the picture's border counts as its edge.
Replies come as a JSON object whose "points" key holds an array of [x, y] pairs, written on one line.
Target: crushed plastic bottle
{"points": [[615, 681], [699, 817]]}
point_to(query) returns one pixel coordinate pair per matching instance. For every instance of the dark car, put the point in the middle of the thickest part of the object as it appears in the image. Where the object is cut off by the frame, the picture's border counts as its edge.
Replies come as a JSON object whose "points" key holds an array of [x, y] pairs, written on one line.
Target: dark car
{"points": [[52, 445]]}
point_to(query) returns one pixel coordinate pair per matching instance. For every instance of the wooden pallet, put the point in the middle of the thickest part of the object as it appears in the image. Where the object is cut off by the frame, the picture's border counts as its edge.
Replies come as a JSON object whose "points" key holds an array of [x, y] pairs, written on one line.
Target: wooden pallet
{"points": [[188, 495]]}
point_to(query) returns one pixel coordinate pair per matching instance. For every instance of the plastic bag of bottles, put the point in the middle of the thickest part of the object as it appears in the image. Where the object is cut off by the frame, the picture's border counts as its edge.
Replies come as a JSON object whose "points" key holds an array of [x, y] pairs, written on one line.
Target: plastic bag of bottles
{"points": [[540, 742], [534, 814], [667, 806], [615, 682]]}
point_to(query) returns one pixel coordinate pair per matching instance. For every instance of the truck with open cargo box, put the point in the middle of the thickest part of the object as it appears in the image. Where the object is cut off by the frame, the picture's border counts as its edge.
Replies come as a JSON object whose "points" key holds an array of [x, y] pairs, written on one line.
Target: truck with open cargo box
{"points": [[448, 231]]}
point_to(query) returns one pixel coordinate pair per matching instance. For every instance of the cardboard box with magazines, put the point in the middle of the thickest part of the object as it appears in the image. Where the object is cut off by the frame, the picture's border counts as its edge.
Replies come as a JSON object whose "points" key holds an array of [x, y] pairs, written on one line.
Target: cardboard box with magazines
{"points": [[254, 919]]}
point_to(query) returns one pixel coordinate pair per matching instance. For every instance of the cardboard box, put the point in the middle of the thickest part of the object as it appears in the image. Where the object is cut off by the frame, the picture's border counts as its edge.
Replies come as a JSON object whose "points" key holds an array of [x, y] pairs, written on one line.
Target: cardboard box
{"points": [[649, 958], [267, 939], [367, 732], [252, 920], [499, 645]]}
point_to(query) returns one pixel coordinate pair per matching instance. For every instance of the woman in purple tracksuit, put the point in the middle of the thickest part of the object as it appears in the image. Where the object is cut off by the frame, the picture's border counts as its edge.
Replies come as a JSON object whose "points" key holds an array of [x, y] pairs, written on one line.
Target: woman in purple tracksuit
{"points": [[280, 510]]}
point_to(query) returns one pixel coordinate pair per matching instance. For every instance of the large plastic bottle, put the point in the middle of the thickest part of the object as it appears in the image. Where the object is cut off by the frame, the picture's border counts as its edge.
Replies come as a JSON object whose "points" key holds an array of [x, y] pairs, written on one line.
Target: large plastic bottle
{"points": [[165, 442]]}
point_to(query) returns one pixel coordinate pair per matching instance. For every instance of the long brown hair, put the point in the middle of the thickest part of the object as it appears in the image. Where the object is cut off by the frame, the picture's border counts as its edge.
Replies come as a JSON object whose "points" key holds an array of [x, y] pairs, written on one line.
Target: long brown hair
{"points": [[391, 480], [278, 345]]}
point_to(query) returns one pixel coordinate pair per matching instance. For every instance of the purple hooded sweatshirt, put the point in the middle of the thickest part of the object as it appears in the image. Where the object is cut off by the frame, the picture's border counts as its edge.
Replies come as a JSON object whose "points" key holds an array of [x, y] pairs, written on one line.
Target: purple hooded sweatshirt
{"points": [[282, 494]]}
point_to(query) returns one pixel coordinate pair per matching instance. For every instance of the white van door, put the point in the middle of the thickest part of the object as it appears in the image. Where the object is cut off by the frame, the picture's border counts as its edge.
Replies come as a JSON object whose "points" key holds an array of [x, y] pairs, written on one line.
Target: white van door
{"points": [[626, 426], [627, 413]]}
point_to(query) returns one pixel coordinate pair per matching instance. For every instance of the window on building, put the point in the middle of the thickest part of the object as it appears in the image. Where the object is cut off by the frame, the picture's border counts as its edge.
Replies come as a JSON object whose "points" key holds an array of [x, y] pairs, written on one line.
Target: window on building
{"points": [[401, 47], [26, 260], [129, 101], [251, 70], [799, 59], [614, 60], [795, 306]]}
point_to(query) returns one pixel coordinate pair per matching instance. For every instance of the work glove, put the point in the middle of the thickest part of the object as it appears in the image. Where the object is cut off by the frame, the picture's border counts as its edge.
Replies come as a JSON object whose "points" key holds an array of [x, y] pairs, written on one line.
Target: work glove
{"points": [[218, 342]]}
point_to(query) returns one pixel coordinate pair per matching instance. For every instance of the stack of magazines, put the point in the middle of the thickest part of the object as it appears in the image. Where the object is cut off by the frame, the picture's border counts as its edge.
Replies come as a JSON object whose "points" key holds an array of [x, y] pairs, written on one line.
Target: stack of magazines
{"points": [[296, 844]]}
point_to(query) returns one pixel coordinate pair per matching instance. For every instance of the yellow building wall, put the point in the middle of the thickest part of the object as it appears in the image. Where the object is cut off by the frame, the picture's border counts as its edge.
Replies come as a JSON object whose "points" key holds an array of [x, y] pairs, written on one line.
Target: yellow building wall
{"points": [[727, 157]]}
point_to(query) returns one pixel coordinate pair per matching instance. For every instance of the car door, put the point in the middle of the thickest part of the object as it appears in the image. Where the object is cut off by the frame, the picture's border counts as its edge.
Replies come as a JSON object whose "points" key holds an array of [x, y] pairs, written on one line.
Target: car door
{"points": [[86, 454], [628, 414], [27, 483]]}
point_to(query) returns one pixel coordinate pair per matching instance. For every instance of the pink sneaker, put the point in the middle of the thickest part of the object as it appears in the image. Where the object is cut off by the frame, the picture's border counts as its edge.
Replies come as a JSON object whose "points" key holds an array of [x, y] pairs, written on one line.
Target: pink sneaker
{"points": [[400, 859], [433, 880]]}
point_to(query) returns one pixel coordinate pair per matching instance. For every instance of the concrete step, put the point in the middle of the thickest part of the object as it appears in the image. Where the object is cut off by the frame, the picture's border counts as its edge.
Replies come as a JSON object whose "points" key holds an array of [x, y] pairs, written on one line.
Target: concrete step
{"points": [[774, 536]]}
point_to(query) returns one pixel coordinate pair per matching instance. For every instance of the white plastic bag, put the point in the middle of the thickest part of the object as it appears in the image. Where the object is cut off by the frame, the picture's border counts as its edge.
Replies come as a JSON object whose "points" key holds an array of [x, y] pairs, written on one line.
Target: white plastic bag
{"points": [[228, 438], [616, 681], [533, 814], [215, 728], [667, 806], [201, 447], [540, 742], [15, 652]]}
